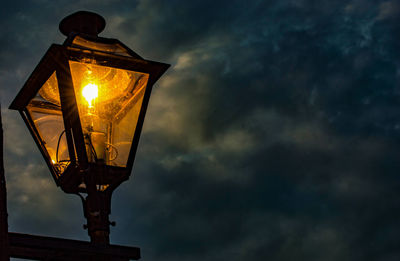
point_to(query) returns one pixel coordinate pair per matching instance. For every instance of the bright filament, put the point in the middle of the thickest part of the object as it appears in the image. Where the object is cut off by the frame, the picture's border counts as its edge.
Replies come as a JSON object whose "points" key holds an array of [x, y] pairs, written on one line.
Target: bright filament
{"points": [[90, 92]]}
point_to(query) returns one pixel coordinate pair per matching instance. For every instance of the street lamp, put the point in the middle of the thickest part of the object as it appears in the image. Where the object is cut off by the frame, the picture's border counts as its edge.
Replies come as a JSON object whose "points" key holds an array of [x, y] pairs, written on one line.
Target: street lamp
{"points": [[84, 105]]}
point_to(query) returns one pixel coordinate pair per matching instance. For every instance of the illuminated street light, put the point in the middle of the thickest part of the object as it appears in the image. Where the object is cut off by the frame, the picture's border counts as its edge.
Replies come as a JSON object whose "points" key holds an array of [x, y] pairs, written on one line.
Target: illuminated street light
{"points": [[84, 105]]}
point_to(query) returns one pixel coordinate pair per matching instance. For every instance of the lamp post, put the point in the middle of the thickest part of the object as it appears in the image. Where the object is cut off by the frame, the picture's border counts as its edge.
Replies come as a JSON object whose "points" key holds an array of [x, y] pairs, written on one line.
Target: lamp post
{"points": [[84, 105]]}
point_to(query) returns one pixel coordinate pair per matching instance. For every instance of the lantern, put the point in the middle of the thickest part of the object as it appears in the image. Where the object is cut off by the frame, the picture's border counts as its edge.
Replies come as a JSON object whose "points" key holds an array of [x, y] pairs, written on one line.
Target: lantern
{"points": [[84, 105]]}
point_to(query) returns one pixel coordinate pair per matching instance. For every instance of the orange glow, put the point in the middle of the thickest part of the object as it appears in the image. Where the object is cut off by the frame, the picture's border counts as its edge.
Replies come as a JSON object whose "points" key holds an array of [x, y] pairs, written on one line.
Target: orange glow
{"points": [[109, 101], [90, 92]]}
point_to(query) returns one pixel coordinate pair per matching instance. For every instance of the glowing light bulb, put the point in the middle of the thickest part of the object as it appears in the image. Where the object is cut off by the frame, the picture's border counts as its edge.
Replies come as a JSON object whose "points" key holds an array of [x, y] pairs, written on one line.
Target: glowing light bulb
{"points": [[54, 162], [90, 92]]}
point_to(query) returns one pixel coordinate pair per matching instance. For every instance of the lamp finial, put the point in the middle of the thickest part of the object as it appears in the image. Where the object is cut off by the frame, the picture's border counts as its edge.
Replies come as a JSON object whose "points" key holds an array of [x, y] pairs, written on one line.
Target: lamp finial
{"points": [[82, 22]]}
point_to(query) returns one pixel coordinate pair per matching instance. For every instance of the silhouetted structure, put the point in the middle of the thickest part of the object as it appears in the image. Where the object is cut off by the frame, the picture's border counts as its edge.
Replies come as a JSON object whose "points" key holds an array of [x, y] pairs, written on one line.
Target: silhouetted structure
{"points": [[3, 203], [89, 94]]}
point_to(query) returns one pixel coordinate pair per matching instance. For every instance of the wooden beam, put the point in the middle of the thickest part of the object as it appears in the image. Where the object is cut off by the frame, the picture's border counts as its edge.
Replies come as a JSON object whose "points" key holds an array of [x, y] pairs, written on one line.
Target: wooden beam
{"points": [[49, 248]]}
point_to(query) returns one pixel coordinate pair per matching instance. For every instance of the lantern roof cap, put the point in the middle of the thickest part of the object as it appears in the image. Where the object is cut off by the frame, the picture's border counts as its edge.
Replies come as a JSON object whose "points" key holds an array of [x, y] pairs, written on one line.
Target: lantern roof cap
{"points": [[82, 22]]}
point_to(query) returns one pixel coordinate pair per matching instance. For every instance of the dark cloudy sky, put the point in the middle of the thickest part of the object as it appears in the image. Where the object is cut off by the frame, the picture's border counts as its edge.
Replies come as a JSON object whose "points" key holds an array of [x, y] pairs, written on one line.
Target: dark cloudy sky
{"points": [[275, 134]]}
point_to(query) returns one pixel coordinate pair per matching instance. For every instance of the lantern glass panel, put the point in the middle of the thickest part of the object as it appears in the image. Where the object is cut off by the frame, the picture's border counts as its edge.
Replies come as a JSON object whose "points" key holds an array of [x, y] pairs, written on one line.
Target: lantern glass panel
{"points": [[45, 112], [109, 102]]}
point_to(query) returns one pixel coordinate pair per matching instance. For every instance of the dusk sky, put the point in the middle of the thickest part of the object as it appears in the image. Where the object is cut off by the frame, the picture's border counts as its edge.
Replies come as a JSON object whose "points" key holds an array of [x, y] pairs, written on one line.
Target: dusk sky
{"points": [[274, 135]]}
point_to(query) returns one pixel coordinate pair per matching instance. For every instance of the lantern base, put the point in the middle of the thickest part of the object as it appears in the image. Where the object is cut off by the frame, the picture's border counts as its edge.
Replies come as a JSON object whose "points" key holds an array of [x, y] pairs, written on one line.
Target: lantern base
{"points": [[97, 208]]}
